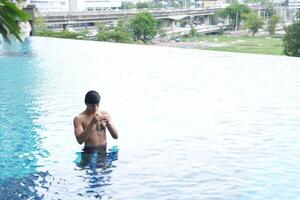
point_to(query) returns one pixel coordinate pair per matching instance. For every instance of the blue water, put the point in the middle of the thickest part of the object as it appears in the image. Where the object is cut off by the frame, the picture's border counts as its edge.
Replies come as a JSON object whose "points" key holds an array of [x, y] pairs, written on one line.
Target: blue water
{"points": [[193, 124]]}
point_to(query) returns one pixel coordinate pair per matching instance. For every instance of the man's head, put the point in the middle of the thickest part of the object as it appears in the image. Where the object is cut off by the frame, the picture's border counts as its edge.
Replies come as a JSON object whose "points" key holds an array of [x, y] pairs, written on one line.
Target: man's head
{"points": [[92, 100]]}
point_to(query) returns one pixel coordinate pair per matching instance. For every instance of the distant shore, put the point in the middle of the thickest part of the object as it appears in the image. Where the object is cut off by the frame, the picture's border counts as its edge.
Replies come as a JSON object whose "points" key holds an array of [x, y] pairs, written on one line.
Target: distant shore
{"points": [[242, 43]]}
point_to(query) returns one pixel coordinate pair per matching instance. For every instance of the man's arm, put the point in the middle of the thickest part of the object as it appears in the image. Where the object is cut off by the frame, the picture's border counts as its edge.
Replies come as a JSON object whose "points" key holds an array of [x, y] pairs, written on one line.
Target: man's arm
{"points": [[82, 135], [110, 126]]}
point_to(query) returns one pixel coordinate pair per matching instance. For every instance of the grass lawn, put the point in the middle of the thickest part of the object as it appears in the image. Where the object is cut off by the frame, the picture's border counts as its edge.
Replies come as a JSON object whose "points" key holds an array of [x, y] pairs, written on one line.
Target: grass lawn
{"points": [[242, 44]]}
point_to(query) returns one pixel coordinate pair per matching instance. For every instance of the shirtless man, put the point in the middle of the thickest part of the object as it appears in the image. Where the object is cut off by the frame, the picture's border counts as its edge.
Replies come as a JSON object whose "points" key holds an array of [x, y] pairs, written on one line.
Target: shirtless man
{"points": [[91, 124]]}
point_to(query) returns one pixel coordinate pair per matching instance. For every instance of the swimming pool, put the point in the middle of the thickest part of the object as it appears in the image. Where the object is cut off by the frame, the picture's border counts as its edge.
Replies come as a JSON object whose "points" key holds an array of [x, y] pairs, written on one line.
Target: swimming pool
{"points": [[193, 124]]}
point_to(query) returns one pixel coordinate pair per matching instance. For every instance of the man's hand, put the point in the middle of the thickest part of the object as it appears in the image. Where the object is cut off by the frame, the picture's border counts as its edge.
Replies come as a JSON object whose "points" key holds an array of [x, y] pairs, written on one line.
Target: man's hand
{"points": [[105, 118], [95, 119]]}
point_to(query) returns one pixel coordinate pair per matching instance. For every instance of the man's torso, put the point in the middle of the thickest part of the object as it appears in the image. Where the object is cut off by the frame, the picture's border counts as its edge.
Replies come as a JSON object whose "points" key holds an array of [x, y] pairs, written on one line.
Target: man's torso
{"points": [[97, 136]]}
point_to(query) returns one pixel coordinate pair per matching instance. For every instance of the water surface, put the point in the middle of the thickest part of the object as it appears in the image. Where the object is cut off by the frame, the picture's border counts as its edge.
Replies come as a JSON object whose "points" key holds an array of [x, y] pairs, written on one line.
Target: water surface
{"points": [[193, 124]]}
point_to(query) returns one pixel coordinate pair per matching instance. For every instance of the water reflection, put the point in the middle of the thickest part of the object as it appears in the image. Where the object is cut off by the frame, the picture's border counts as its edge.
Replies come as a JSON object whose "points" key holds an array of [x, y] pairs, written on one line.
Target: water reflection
{"points": [[97, 165], [24, 188], [20, 143]]}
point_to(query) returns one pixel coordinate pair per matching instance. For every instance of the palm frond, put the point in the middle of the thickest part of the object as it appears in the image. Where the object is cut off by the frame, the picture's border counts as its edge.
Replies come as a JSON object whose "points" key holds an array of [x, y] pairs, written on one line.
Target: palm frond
{"points": [[10, 16]]}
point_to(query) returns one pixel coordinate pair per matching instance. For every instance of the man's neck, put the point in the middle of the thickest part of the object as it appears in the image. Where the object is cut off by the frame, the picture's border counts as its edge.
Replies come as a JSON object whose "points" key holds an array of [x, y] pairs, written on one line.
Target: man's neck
{"points": [[90, 113]]}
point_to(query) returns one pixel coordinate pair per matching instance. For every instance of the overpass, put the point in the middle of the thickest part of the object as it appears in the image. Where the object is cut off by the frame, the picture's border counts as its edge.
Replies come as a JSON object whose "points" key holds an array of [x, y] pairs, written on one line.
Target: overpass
{"points": [[63, 19], [67, 18]]}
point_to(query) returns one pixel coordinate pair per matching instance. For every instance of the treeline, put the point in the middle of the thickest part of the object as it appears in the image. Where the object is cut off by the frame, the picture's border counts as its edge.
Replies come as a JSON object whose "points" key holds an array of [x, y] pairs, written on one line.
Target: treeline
{"points": [[254, 21], [143, 27]]}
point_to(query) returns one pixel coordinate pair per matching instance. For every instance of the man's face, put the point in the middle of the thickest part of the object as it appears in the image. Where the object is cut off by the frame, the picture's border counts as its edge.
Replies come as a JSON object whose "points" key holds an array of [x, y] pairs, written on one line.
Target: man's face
{"points": [[92, 107]]}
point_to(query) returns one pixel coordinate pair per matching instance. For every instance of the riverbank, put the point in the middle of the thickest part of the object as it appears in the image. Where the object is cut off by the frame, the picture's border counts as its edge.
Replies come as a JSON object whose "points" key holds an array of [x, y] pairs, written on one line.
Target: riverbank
{"points": [[234, 42], [230, 43]]}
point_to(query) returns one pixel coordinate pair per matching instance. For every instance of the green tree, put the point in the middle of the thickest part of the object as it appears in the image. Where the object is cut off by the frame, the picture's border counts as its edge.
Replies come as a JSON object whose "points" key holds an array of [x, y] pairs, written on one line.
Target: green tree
{"points": [[10, 14], [120, 33], [235, 13], [141, 5], [291, 39], [143, 26], [275, 19], [253, 22], [269, 8], [126, 5]]}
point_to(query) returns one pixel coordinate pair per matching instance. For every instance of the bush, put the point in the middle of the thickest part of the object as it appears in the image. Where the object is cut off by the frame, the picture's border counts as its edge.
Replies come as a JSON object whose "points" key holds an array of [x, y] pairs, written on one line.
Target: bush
{"points": [[61, 34], [143, 26], [291, 40], [114, 36]]}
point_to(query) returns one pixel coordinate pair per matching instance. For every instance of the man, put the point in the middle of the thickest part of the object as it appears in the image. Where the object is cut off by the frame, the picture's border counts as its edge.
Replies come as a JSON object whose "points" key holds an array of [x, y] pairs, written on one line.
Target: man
{"points": [[91, 124]]}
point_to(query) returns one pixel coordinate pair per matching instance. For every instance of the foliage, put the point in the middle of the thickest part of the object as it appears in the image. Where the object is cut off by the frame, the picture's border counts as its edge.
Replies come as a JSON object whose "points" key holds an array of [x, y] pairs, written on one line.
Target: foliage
{"points": [[235, 12], [126, 5], [40, 24], [146, 5], [275, 19], [291, 40], [161, 28], [193, 33], [122, 25], [61, 34], [118, 34], [101, 27], [298, 15], [114, 36], [253, 22], [140, 5], [10, 14], [270, 9], [143, 26]]}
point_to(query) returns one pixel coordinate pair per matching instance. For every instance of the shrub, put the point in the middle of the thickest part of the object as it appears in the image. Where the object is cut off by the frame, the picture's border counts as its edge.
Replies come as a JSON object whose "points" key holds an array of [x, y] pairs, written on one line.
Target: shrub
{"points": [[291, 40]]}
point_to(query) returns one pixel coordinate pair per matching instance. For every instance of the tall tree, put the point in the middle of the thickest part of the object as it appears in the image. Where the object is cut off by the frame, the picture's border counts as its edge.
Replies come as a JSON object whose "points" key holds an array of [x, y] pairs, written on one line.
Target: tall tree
{"points": [[235, 12], [253, 22], [143, 26], [10, 15]]}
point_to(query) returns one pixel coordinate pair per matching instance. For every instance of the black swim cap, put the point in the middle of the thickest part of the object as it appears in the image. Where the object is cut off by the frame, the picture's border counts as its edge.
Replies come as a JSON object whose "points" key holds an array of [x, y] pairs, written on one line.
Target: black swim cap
{"points": [[92, 97]]}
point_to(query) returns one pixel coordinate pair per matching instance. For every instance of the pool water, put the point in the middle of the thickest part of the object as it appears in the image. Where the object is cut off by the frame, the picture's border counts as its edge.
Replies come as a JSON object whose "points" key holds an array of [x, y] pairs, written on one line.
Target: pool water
{"points": [[192, 124]]}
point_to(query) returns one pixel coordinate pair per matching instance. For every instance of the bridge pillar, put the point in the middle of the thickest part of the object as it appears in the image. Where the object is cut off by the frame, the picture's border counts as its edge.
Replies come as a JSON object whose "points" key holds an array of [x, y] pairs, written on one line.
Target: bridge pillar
{"points": [[64, 27], [191, 21], [207, 22], [173, 24], [226, 21]]}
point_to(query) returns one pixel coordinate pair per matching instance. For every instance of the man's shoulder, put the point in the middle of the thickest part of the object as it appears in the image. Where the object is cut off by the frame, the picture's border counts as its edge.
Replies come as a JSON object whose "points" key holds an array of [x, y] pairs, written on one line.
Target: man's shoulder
{"points": [[80, 117]]}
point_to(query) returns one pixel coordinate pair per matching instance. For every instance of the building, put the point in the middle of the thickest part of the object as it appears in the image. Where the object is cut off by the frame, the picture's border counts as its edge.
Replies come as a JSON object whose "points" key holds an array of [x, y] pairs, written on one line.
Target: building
{"points": [[74, 5], [98, 5], [294, 4], [50, 5], [213, 3]]}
